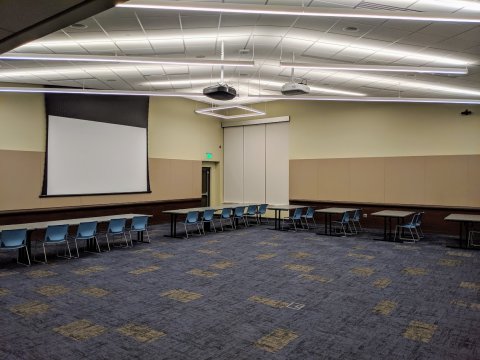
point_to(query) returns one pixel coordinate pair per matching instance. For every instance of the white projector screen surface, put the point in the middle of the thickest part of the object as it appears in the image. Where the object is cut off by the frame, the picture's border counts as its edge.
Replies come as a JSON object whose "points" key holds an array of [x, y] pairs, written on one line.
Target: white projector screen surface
{"points": [[90, 157]]}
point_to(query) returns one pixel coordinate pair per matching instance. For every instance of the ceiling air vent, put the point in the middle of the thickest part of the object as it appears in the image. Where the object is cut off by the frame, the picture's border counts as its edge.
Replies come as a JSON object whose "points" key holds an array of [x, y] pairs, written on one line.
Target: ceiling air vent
{"points": [[375, 6]]}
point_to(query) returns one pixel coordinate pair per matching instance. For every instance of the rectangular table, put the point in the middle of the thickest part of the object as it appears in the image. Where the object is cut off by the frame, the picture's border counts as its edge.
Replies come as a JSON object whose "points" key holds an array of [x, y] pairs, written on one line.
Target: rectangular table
{"points": [[328, 216], [44, 224], [174, 214], [465, 222], [278, 211], [388, 215]]}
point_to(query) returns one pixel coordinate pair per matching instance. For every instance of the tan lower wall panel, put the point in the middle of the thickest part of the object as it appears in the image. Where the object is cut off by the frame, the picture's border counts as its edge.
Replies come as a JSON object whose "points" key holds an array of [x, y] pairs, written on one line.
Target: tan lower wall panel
{"points": [[333, 179], [473, 180], [450, 180], [22, 178], [304, 186], [446, 180], [405, 180], [367, 180]]}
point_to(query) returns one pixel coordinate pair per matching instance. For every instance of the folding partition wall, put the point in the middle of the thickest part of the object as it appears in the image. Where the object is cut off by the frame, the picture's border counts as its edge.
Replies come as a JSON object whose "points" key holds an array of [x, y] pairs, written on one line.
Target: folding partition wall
{"points": [[256, 167]]}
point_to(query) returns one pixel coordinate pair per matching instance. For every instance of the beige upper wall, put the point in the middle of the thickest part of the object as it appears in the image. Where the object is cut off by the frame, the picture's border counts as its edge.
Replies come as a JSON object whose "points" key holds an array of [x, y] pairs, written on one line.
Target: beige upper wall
{"points": [[22, 122], [322, 130], [176, 132]]}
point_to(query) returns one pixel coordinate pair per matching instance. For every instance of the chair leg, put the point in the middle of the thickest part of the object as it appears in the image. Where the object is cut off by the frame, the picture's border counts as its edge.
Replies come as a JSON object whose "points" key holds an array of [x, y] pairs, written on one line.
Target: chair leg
{"points": [[44, 253], [76, 247], [186, 230], [199, 229]]}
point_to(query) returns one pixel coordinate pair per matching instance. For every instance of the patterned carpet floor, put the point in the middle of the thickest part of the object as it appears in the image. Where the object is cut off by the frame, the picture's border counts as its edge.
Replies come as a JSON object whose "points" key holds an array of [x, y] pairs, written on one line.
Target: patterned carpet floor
{"points": [[247, 294]]}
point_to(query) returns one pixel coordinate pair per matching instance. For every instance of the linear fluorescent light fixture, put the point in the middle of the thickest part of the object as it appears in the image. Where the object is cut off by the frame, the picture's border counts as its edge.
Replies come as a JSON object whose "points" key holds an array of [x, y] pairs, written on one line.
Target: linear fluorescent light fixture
{"points": [[213, 112], [299, 11], [369, 99], [376, 68], [124, 59], [30, 90]]}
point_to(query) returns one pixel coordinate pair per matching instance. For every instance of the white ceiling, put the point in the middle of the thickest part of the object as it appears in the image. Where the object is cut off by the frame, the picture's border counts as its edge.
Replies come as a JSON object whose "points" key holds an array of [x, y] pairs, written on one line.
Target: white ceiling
{"points": [[268, 39]]}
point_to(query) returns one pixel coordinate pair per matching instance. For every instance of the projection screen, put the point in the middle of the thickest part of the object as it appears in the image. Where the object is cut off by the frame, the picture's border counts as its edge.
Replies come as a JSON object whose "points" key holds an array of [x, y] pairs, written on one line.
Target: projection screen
{"points": [[95, 145]]}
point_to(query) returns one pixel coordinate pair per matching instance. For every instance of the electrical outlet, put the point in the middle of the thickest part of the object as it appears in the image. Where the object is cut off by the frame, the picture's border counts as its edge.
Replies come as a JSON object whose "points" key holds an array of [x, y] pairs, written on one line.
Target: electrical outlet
{"points": [[364, 216]]}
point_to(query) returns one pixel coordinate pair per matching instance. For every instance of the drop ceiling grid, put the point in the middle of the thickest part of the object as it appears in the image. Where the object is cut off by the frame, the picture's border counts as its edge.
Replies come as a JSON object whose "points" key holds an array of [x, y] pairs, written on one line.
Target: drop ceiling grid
{"points": [[268, 33]]}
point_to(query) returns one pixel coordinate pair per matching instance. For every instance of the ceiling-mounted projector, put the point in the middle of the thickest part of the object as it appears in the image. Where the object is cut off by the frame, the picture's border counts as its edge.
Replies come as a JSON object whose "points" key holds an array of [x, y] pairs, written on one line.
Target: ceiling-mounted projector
{"points": [[293, 88], [220, 92]]}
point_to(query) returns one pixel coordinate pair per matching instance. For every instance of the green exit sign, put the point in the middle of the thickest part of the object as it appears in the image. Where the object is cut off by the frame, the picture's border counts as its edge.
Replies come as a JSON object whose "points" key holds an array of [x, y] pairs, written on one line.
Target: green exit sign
{"points": [[208, 156]]}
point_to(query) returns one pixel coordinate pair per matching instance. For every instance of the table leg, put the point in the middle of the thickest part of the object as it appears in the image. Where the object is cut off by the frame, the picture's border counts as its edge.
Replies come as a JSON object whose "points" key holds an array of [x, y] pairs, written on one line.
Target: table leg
{"points": [[326, 223], [173, 226], [277, 219], [330, 224], [385, 228]]}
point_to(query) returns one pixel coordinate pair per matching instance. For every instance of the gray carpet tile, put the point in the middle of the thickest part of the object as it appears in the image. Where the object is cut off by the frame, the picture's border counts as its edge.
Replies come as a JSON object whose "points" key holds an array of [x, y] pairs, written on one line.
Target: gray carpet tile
{"points": [[247, 294]]}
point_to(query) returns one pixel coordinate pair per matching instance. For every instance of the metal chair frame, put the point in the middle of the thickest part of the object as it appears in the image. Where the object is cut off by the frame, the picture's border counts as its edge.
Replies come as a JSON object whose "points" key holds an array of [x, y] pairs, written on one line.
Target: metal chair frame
{"points": [[310, 214], [297, 216], [226, 216], [190, 220], [411, 227], [91, 229], [208, 217], [343, 224], [239, 214], [19, 236], [55, 235], [355, 220], [116, 227], [252, 212], [139, 224]]}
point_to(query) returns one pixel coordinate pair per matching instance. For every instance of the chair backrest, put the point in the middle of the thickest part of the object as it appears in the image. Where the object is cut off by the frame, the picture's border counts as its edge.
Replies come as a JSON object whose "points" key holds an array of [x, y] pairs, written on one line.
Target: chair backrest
{"points": [[262, 209], [226, 213], [419, 218], [192, 217], [346, 217], [208, 215], [116, 226], [252, 210], [239, 211], [297, 214], [413, 220], [357, 215], [310, 212], [87, 229], [13, 238], [139, 223], [56, 233]]}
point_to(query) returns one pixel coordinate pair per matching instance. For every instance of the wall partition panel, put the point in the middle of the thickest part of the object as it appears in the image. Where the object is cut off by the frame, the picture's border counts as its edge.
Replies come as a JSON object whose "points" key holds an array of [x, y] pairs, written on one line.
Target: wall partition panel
{"points": [[233, 164], [277, 169], [254, 163]]}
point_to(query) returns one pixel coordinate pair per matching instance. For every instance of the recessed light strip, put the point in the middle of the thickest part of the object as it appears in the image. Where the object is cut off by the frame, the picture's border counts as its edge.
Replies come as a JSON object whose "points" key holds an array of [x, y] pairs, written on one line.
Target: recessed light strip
{"points": [[369, 99], [377, 68], [299, 11], [124, 59], [94, 92]]}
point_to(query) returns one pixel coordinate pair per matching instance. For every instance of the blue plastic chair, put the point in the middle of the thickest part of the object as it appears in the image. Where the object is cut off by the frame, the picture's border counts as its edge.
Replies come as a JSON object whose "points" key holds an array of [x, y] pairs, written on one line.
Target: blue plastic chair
{"points": [[411, 227], [252, 212], [239, 214], [262, 210], [116, 227], [343, 224], [14, 240], [294, 219], [56, 235], [208, 217], [191, 220], [86, 231], [419, 224], [139, 225], [226, 216], [309, 215], [355, 220]]}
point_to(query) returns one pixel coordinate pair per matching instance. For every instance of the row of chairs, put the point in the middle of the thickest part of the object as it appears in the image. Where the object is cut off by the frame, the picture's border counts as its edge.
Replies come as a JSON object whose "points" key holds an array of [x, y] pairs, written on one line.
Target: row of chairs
{"points": [[87, 231], [349, 223], [229, 216]]}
